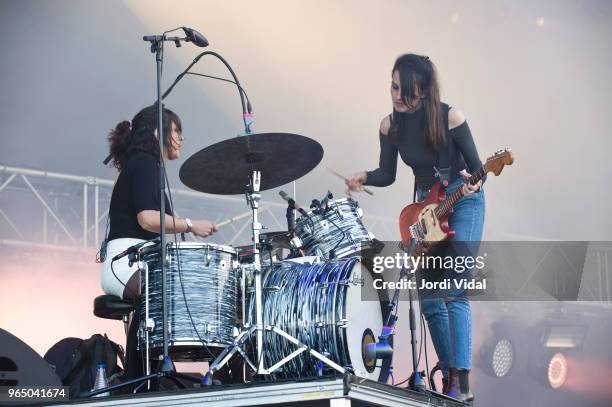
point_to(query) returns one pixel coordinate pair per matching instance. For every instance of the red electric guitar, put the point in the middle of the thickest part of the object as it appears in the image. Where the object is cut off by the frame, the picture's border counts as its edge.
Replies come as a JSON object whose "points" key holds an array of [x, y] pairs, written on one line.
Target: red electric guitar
{"points": [[427, 221]]}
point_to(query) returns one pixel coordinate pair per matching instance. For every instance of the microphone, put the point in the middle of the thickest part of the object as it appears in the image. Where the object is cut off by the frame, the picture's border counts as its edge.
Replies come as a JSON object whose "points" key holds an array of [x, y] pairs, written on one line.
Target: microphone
{"points": [[325, 201], [133, 249], [196, 37], [292, 203]]}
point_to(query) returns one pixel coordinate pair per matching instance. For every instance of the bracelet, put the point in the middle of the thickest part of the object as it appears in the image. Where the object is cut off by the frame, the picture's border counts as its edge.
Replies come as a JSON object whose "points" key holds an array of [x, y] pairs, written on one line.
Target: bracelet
{"points": [[189, 225]]}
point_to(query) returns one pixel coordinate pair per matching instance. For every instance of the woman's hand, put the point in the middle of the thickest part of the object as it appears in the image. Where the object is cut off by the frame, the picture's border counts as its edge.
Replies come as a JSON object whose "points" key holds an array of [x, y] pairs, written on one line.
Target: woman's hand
{"points": [[203, 228], [355, 182], [469, 189]]}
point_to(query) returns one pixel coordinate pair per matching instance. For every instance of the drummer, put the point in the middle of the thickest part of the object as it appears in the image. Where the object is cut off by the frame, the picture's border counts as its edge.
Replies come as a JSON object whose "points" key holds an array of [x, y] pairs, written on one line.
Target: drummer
{"points": [[135, 202]]}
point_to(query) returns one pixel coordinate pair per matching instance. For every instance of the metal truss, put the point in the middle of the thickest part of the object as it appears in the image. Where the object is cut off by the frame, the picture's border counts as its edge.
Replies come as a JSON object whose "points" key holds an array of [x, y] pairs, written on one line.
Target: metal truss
{"points": [[43, 209]]}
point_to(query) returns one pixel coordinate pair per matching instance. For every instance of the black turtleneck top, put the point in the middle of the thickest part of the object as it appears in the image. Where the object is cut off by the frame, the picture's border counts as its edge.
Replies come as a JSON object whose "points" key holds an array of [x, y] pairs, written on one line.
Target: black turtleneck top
{"points": [[412, 146]]}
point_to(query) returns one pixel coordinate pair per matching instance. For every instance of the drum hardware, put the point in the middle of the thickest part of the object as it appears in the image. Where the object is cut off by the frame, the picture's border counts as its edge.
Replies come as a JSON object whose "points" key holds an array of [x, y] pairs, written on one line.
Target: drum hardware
{"points": [[273, 289], [253, 197]]}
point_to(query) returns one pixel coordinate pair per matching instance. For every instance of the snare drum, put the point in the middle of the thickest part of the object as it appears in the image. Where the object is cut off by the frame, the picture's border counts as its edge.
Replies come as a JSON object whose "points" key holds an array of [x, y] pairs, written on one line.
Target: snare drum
{"points": [[202, 282], [321, 305], [338, 232]]}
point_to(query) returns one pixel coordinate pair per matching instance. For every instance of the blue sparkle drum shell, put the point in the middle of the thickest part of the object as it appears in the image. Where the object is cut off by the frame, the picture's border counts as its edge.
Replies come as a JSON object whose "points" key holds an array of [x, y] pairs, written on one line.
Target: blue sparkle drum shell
{"points": [[202, 296], [321, 305], [338, 232]]}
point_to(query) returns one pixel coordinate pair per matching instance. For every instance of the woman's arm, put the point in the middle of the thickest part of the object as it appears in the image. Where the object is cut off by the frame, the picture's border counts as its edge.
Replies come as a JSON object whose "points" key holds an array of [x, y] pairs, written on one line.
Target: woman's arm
{"points": [[149, 220], [384, 175], [461, 135]]}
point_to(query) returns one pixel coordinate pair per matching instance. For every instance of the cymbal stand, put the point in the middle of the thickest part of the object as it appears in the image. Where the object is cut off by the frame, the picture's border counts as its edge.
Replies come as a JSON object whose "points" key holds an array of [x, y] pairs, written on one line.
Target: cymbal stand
{"points": [[253, 197]]}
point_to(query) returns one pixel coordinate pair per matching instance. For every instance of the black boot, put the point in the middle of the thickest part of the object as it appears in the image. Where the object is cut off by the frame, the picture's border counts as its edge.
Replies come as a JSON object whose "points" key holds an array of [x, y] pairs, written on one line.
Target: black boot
{"points": [[459, 385], [444, 385]]}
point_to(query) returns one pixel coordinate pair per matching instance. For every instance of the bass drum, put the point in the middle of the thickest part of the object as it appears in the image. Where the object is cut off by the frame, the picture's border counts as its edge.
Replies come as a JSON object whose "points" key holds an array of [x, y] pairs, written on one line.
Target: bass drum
{"points": [[321, 305]]}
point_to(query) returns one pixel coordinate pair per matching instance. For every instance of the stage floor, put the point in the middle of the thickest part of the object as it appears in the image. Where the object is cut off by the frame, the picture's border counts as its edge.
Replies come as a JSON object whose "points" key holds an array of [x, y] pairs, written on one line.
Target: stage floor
{"points": [[333, 392]]}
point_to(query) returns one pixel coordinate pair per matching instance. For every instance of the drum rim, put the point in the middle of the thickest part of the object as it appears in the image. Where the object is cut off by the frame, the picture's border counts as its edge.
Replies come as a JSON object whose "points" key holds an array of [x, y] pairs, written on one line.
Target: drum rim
{"points": [[192, 245], [311, 212]]}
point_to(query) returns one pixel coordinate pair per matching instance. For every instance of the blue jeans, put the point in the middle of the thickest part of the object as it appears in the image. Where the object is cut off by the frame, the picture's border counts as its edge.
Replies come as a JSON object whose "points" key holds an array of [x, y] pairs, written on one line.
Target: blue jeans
{"points": [[450, 318]]}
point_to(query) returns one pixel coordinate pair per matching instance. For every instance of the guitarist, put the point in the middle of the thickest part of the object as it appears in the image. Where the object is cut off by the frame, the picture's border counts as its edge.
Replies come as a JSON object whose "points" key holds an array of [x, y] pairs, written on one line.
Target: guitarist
{"points": [[424, 131]]}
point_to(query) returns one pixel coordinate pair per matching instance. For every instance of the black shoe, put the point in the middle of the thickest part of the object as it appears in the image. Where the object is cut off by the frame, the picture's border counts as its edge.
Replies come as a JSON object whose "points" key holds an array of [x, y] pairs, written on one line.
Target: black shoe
{"points": [[459, 385]]}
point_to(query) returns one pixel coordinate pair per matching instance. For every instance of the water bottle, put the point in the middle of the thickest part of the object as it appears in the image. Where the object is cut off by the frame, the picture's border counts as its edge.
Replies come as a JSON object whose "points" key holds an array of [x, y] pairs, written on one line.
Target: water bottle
{"points": [[101, 380]]}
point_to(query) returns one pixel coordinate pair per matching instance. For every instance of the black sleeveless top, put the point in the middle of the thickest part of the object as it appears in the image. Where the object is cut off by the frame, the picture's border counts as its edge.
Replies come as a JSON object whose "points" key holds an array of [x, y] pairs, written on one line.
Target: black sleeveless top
{"points": [[412, 146], [136, 190]]}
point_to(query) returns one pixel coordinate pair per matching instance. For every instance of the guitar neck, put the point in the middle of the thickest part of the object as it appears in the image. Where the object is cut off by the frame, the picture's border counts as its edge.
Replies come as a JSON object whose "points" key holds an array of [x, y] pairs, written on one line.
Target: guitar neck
{"points": [[447, 204]]}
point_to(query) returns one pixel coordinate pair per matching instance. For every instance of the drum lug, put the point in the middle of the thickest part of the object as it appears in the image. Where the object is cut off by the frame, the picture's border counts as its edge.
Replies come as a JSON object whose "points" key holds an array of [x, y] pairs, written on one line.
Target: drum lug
{"points": [[357, 281], [150, 325], [325, 224], [296, 243], [235, 264], [343, 323], [360, 212]]}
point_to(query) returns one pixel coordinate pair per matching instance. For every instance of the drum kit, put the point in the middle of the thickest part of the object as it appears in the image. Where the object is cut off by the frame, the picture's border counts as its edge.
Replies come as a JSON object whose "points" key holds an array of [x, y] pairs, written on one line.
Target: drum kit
{"points": [[297, 316]]}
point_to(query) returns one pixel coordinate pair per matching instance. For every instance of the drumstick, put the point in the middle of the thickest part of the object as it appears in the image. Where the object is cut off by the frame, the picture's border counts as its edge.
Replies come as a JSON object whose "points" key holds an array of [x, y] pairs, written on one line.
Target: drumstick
{"points": [[337, 174], [235, 218]]}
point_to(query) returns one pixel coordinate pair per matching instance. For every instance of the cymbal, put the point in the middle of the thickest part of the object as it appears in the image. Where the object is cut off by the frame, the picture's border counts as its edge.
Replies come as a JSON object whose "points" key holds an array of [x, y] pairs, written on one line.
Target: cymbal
{"points": [[224, 168]]}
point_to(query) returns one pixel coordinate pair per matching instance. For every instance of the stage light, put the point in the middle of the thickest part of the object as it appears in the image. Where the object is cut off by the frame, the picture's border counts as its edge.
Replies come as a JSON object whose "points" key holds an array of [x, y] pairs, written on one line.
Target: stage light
{"points": [[497, 355], [540, 21], [563, 335], [454, 18], [560, 335], [557, 370], [503, 357]]}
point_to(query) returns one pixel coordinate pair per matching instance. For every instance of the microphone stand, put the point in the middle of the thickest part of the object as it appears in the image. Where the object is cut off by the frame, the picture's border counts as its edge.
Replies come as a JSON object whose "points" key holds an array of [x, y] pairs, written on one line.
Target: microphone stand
{"points": [[166, 367], [383, 349]]}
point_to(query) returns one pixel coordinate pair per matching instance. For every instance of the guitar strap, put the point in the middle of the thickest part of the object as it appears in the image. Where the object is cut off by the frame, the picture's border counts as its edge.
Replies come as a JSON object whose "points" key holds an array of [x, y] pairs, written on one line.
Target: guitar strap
{"points": [[443, 169], [445, 154]]}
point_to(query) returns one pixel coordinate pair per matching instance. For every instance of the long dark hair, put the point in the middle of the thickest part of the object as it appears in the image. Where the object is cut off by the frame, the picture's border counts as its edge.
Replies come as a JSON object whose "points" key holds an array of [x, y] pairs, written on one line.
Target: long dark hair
{"points": [[418, 72], [139, 135]]}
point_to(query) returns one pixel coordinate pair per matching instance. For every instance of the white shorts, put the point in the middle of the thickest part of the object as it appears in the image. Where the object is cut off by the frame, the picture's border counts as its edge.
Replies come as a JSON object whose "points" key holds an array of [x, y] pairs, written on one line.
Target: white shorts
{"points": [[114, 284]]}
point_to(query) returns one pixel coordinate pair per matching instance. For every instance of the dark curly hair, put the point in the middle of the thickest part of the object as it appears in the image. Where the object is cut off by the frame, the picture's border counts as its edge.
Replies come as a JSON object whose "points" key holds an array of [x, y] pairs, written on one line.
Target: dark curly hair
{"points": [[418, 72], [139, 135]]}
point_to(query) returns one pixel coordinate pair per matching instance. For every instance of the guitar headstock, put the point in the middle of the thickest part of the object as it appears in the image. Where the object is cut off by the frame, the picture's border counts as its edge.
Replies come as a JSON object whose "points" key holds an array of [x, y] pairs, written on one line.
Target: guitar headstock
{"points": [[498, 161]]}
